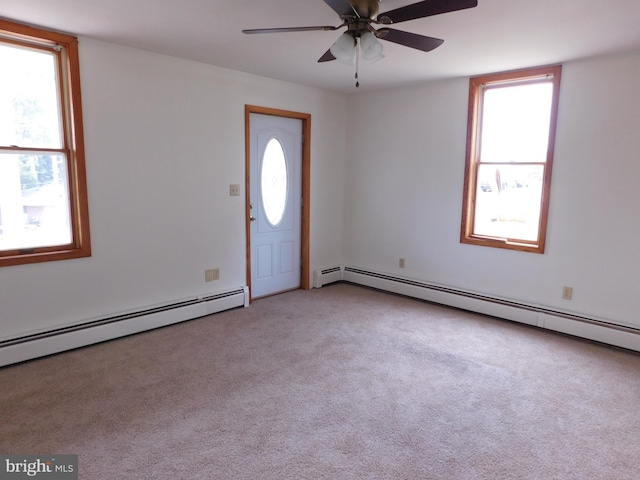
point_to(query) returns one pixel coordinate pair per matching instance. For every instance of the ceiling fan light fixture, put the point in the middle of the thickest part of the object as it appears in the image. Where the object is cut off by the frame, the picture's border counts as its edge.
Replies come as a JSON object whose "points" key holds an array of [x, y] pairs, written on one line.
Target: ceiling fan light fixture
{"points": [[371, 47], [345, 49]]}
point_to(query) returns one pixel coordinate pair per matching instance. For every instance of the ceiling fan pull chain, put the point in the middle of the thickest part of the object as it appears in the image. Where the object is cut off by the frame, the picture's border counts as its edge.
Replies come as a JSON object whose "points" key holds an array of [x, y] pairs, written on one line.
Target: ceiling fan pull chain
{"points": [[357, 60]]}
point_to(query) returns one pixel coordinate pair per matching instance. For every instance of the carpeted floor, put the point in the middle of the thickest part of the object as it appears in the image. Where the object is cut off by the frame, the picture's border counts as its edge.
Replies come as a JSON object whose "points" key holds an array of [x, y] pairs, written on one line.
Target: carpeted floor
{"points": [[337, 383]]}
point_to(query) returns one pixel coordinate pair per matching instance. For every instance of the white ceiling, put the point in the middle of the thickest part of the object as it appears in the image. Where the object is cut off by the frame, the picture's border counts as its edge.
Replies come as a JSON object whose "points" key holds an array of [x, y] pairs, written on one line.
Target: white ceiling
{"points": [[497, 35]]}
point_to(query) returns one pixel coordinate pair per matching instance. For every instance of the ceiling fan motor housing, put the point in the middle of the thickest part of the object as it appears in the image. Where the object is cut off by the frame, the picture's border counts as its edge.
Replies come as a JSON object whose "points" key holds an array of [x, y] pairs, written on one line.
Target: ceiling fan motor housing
{"points": [[359, 16]]}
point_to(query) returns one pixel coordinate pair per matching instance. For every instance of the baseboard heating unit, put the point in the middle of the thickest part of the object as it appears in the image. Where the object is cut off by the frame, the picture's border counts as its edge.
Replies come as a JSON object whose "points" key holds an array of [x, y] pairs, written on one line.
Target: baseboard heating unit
{"points": [[120, 325], [326, 276], [600, 330]]}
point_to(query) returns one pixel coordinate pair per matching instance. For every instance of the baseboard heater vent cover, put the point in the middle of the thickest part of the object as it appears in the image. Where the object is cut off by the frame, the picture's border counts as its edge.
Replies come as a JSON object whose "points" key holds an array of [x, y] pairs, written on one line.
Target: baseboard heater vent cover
{"points": [[600, 330], [327, 275], [48, 342]]}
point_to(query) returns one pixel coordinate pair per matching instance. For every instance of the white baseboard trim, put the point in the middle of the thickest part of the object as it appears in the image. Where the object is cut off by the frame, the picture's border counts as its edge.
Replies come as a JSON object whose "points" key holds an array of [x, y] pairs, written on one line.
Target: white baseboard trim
{"points": [[99, 330], [597, 329]]}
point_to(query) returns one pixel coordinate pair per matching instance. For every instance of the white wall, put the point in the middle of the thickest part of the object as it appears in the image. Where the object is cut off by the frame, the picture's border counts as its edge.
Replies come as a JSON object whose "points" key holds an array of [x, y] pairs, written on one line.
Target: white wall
{"points": [[164, 139], [405, 172]]}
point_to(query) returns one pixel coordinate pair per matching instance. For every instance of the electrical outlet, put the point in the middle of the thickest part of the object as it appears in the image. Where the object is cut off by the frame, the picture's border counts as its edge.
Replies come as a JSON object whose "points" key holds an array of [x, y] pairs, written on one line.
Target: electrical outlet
{"points": [[211, 274], [401, 263], [234, 190], [567, 293]]}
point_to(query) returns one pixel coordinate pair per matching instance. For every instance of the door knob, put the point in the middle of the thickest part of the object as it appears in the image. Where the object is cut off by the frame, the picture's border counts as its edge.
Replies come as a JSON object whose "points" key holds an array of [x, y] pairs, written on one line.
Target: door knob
{"points": [[252, 218]]}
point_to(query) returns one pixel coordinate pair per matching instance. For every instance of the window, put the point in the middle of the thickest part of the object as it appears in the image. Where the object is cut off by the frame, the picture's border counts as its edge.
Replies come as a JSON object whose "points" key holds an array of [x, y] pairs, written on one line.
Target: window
{"points": [[43, 198], [510, 139], [273, 184]]}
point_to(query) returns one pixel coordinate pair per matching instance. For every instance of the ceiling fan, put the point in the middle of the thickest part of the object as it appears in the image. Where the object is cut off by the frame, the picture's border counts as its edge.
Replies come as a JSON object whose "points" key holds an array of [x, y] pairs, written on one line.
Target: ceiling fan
{"points": [[359, 18]]}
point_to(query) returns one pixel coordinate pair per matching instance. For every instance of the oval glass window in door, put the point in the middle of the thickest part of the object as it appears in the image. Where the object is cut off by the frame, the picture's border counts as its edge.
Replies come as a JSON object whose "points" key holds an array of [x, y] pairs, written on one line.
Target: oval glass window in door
{"points": [[273, 182]]}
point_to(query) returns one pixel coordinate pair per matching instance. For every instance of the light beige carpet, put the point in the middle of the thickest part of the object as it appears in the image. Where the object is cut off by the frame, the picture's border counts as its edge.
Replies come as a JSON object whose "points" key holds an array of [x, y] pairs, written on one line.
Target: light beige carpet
{"points": [[337, 383]]}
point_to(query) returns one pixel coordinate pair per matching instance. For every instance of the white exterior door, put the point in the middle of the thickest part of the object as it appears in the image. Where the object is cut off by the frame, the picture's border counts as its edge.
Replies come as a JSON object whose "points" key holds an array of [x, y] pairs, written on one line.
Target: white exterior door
{"points": [[275, 203]]}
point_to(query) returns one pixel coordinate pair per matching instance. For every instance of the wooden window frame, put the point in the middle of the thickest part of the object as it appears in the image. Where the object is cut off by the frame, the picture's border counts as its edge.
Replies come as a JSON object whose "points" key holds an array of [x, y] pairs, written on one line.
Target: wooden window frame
{"points": [[476, 89], [66, 49]]}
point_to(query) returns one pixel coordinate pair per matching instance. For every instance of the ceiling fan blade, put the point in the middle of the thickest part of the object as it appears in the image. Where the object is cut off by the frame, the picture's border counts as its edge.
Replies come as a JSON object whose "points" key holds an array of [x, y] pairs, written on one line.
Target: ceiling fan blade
{"points": [[252, 31], [341, 7], [327, 57], [427, 8], [413, 40]]}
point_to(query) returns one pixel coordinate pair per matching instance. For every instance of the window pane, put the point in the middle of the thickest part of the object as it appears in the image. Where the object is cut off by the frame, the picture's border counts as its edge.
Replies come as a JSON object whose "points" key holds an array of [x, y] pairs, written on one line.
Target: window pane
{"points": [[34, 201], [515, 123], [29, 103], [508, 201], [274, 182]]}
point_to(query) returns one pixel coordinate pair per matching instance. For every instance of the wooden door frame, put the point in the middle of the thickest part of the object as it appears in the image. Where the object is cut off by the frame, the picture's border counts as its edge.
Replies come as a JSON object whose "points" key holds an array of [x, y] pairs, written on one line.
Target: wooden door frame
{"points": [[306, 180]]}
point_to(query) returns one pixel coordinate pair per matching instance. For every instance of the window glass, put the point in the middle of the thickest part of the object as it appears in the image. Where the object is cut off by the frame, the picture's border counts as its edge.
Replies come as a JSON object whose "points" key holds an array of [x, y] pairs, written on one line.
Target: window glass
{"points": [[34, 202], [508, 201], [29, 98], [43, 199], [515, 123], [512, 119], [274, 182]]}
